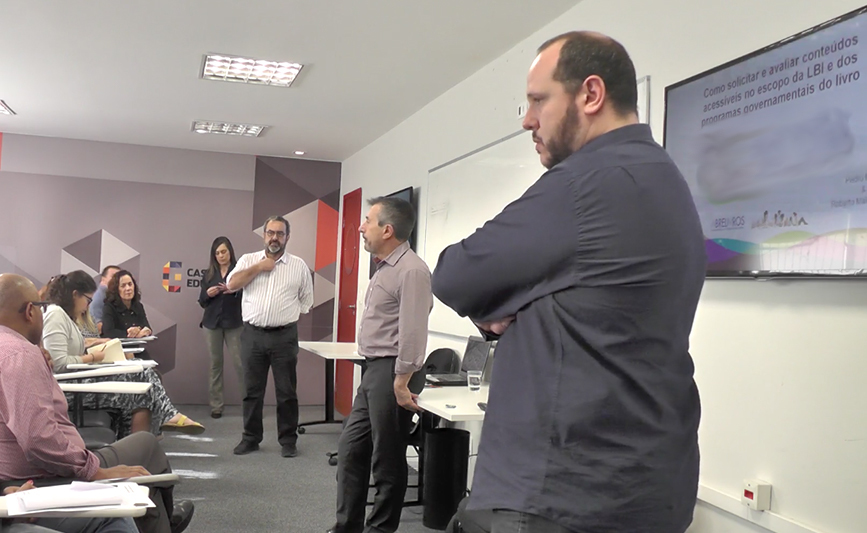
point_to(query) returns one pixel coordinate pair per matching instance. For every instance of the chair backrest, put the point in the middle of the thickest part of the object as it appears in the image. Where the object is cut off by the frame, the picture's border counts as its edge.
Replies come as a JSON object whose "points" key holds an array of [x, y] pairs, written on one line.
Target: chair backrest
{"points": [[439, 361], [442, 361]]}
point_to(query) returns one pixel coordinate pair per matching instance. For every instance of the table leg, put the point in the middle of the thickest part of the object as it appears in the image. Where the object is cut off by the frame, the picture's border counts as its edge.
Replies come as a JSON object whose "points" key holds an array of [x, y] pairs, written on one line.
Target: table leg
{"points": [[329, 400]]}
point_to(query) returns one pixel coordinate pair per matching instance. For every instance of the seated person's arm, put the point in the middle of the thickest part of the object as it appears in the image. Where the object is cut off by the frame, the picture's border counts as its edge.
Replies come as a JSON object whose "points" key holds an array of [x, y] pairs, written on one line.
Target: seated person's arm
{"points": [[56, 340], [93, 341], [145, 326]]}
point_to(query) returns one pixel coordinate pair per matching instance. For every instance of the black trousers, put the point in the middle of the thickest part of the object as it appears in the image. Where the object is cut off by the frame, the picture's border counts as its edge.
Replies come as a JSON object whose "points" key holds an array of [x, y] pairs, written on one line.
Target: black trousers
{"points": [[278, 350], [376, 435]]}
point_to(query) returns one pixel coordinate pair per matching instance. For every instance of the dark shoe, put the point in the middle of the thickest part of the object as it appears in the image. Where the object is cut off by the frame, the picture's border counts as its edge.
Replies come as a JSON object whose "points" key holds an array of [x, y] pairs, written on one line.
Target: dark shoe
{"points": [[182, 514], [245, 447], [216, 414], [289, 450]]}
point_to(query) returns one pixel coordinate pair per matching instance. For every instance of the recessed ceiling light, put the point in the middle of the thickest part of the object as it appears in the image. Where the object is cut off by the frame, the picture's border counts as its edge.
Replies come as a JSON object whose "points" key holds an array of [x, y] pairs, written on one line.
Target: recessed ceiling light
{"points": [[299, 152], [222, 67], [227, 128], [5, 109]]}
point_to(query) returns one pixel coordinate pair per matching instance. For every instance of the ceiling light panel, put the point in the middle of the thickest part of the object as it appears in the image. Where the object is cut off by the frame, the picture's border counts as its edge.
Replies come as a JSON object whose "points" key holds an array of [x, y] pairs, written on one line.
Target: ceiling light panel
{"points": [[5, 109], [227, 128], [223, 67]]}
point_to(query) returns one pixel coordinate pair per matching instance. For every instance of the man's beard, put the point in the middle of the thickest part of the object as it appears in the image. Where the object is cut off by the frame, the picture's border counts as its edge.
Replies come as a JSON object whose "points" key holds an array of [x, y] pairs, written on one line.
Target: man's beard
{"points": [[275, 248], [560, 145]]}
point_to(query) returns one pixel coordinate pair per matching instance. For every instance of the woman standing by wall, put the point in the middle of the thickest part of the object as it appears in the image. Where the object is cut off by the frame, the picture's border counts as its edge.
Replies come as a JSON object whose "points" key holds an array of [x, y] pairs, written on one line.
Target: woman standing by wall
{"points": [[222, 320]]}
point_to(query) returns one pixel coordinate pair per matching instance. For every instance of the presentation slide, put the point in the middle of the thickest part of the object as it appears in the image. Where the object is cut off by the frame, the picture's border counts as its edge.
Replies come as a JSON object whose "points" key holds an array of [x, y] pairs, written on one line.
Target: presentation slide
{"points": [[774, 148]]}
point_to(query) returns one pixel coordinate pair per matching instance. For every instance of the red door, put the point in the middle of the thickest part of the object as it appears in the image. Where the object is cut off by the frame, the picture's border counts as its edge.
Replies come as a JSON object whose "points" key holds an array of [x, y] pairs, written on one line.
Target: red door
{"points": [[346, 318]]}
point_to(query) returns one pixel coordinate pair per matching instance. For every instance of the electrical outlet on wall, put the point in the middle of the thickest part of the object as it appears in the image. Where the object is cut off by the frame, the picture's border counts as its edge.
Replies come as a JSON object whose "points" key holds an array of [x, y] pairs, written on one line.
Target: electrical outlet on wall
{"points": [[522, 110]]}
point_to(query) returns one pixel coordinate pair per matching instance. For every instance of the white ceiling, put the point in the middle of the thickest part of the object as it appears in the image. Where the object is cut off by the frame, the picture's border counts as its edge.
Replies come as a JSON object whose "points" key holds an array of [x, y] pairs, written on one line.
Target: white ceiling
{"points": [[128, 71]]}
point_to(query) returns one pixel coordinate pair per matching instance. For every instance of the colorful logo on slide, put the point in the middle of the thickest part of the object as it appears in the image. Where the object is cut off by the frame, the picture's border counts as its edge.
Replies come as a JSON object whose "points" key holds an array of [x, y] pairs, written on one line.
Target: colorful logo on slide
{"points": [[172, 275]]}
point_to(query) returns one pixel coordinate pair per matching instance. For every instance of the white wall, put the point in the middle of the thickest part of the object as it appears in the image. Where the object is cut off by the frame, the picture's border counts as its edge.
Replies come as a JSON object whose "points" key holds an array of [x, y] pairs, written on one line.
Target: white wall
{"points": [[778, 364]]}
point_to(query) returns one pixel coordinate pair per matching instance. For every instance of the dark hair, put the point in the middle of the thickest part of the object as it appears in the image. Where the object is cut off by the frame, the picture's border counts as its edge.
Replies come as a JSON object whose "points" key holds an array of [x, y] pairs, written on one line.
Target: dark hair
{"points": [[214, 266], [105, 270], [112, 292], [276, 219], [46, 289], [396, 212], [61, 290], [585, 54]]}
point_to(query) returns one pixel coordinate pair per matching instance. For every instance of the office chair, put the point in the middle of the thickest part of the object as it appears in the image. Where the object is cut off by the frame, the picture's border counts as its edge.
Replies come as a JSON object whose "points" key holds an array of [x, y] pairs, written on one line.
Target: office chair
{"points": [[96, 427], [442, 361]]}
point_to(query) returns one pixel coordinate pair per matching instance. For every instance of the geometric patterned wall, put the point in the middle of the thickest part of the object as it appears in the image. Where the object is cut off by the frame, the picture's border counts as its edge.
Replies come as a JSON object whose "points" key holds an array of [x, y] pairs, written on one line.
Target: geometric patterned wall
{"points": [[141, 238], [306, 193]]}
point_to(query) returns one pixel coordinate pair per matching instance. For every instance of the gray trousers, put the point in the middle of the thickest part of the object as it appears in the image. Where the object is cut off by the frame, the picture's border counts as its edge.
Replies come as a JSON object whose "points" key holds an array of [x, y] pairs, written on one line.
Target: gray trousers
{"points": [[142, 449], [215, 339], [74, 525], [376, 435]]}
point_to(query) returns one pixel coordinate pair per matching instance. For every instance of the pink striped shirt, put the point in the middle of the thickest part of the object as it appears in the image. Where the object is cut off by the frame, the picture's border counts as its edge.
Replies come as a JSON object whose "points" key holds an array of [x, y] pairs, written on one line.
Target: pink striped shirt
{"points": [[36, 437]]}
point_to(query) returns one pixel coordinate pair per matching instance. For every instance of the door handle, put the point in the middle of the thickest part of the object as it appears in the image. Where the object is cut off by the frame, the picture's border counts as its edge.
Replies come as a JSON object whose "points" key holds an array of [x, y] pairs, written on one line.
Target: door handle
{"points": [[350, 306]]}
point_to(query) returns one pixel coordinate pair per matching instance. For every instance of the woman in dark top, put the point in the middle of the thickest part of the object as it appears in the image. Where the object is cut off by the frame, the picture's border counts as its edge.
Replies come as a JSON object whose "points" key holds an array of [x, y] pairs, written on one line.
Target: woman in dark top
{"points": [[124, 315], [222, 320]]}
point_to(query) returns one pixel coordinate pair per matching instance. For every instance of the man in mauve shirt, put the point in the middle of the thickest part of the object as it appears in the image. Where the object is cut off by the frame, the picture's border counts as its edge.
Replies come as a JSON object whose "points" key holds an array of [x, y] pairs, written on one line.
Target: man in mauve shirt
{"points": [[37, 440], [392, 337]]}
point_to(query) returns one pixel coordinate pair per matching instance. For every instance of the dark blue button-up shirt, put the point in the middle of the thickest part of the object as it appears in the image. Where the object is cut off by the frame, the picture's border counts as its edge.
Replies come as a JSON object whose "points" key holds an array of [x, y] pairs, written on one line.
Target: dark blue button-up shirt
{"points": [[593, 412]]}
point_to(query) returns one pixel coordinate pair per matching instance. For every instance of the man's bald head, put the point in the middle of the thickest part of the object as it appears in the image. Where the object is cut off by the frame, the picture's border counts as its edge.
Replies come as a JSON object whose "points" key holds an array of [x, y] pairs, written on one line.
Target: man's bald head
{"points": [[16, 292]]}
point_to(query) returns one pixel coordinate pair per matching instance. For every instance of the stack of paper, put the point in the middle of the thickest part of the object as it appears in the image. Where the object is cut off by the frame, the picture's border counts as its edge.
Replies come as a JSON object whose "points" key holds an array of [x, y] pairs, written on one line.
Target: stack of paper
{"points": [[78, 496]]}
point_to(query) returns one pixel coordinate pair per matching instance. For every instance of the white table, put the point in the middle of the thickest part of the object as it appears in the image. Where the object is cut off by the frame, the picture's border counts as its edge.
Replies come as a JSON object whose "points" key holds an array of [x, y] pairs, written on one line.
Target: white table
{"points": [[101, 387], [113, 512], [97, 371], [330, 351], [455, 404], [143, 363], [107, 387]]}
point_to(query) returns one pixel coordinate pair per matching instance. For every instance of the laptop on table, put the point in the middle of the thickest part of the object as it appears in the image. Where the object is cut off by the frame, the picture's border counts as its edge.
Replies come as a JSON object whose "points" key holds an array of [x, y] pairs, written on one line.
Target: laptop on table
{"points": [[476, 357]]}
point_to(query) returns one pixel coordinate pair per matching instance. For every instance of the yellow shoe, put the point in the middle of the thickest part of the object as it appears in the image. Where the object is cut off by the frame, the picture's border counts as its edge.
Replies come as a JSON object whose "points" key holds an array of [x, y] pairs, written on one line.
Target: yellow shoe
{"points": [[184, 425]]}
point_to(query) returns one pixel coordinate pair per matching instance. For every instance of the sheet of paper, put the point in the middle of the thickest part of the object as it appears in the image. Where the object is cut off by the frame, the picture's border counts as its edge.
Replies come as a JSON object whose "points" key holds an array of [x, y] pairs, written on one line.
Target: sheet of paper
{"points": [[78, 496]]}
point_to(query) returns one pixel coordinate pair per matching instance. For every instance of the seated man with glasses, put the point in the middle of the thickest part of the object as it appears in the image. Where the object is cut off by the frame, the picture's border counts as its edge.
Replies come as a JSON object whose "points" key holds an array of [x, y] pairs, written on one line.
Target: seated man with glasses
{"points": [[37, 440]]}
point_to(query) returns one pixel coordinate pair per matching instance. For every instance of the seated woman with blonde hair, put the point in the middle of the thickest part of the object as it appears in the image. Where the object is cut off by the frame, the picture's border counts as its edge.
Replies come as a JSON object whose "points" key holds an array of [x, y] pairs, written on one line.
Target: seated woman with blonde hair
{"points": [[153, 411]]}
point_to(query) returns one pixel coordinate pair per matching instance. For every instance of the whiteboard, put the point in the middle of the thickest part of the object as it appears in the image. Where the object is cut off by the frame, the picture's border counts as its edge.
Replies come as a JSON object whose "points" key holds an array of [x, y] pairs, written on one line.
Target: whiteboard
{"points": [[465, 193]]}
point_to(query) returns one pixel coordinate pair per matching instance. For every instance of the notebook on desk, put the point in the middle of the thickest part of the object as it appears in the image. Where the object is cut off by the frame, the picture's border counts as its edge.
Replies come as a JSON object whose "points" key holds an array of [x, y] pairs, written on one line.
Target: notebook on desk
{"points": [[476, 356]]}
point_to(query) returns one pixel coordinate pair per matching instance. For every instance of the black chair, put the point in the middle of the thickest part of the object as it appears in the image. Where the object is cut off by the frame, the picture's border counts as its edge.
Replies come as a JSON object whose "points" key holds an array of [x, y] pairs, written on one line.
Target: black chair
{"points": [[96, 438], [100, 432], [101, 418], [442, 361]]}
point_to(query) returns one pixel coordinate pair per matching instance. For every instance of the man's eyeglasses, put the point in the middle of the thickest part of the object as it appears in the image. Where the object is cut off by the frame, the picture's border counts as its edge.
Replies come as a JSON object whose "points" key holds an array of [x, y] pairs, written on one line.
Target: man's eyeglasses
{"points": [[271, 234], [43, 305]]}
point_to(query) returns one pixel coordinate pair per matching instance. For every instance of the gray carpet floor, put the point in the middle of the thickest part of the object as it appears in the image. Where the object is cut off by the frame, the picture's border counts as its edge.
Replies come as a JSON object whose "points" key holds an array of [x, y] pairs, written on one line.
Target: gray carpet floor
{"points": [[262, 491]]}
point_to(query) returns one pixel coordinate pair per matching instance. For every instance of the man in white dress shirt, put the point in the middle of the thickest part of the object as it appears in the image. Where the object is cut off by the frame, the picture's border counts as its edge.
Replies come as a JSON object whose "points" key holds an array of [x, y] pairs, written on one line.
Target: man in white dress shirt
{"points": [[277, 289]]}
